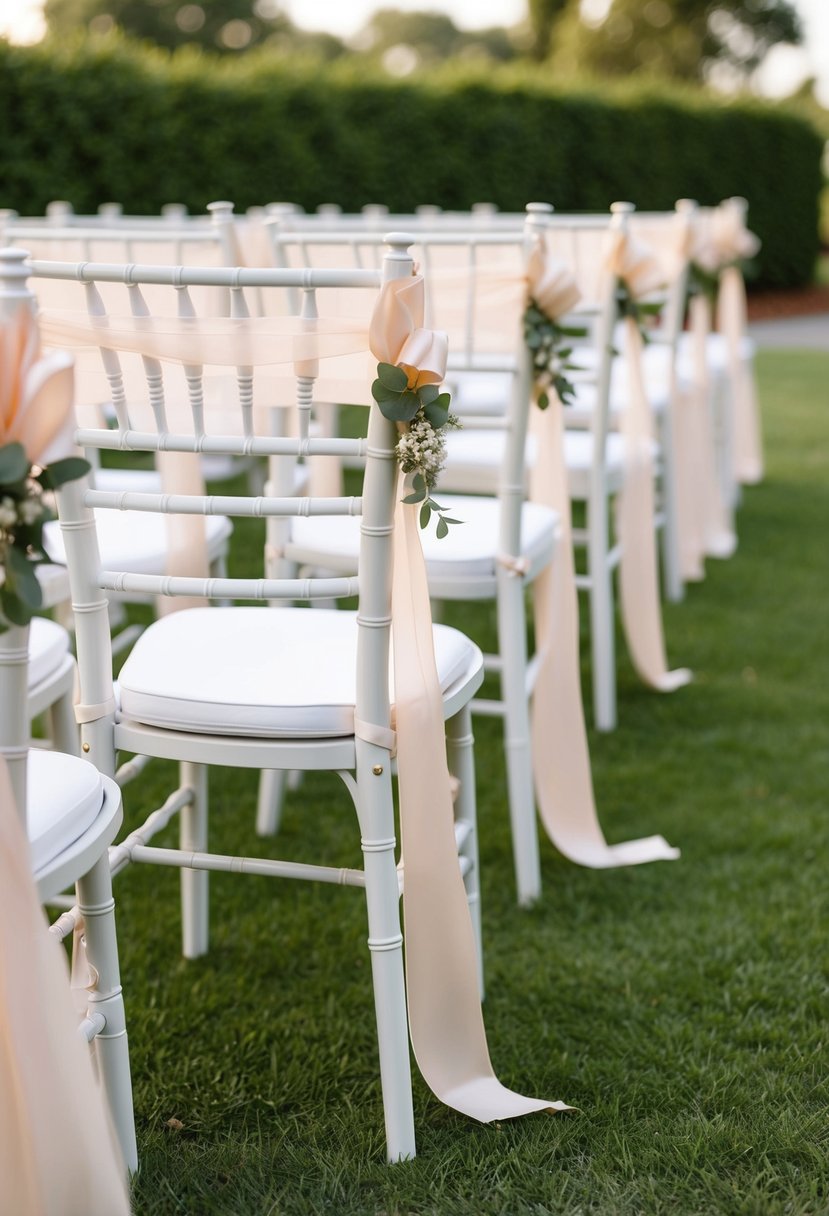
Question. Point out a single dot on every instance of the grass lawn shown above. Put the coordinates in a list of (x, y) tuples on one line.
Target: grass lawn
[(682, 1007)]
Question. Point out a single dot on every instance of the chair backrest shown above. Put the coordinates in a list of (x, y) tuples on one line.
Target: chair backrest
[(205, 240), (469, 265), (264, 367), (476, 294)]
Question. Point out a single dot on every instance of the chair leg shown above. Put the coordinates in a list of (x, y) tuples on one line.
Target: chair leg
[(272, 783), (97, 907), (194, 883), (63, 728), (385, 943), (512, 647), (461, 757), (602, 622)]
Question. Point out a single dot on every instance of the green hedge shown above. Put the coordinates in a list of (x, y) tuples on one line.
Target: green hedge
[(107, 121)]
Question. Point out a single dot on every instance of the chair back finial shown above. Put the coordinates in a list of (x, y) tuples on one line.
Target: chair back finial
[(14, 276)]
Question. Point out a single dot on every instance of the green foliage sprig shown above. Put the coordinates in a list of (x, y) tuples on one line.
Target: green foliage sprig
[(643, 312), (707, 282), (703, 282), (421, 412), (551, 346), (23, 514)]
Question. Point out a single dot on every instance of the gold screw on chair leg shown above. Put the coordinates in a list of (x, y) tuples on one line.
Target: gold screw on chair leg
[(85, 747), (377, 770)]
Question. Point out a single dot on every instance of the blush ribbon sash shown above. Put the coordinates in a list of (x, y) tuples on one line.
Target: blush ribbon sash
[(634, 265), (724, 241), (35, 392), (561, 757), (731, 322), (445, 1020), (58, 1151)]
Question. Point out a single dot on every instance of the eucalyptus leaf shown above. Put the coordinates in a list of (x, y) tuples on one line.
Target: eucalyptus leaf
[(425, 514), (392, 377), (25, 581), (382, 394), (14, 463), (437, 414), (428, 393), (62, 471), (13, 608), (402, 409), (442, 529), (416, 497)]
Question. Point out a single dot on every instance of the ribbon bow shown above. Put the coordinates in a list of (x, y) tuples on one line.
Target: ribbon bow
[(721, 237), (396, 334), (635, 265), (550, 282), (730, 236)]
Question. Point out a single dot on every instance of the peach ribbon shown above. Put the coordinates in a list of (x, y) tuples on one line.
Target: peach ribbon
[(208, 343), (635, 266), (747, 442), (719, 537), (561, 757), (58, 1152), (724, 241), (445, 1019), (35, 392)]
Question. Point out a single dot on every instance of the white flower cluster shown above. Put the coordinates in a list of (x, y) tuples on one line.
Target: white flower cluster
[(422, 449), (26, 511)]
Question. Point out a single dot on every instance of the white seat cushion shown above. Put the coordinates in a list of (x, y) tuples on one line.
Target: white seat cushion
[(578, 457), (474, 460), (48, 647), (135, 541), (716, 351), (470, 550), (63, 799), (268, 673), (480, 392)]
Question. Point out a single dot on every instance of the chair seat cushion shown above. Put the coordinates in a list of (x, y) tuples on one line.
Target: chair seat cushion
[(269, 673), (578, 457), (480, 392), (473, 460), (48, 647), (136, 541), (716, 350), (63, 799), (469, 551)]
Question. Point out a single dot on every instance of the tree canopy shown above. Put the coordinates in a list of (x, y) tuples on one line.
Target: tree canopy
[(225, 26), (694, 40), (682, 39)]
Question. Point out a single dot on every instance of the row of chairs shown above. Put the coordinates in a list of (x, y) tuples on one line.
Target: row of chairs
[(173, 702)]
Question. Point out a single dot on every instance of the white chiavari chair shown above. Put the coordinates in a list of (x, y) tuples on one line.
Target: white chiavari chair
[(504, 542), (282, 689)]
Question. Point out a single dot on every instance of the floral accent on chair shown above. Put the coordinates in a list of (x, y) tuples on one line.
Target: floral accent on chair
[(35, 428)]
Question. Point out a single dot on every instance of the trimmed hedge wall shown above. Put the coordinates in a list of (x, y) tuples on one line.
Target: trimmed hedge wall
[(105, 121)]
